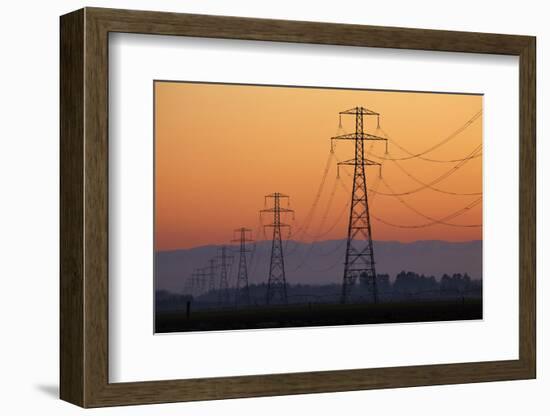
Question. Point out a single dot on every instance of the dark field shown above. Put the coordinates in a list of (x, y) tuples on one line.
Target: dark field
[(300, 315)]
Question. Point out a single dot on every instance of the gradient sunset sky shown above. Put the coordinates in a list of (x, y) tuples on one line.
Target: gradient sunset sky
[(220, 148)]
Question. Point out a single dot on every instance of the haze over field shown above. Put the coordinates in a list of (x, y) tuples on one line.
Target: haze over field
[(321, 262)]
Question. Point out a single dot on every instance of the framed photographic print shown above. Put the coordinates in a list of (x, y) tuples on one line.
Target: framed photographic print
[(233, 269), (356, 203)]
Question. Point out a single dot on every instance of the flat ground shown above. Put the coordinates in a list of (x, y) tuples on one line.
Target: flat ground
[(299, 315)]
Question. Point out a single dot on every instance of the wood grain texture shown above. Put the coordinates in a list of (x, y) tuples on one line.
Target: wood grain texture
[(71, 213), (527, 207), (84, 207)]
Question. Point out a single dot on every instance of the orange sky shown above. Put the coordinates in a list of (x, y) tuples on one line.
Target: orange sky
[(221, 148)]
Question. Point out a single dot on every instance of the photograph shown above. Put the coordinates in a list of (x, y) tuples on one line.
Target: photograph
[(291, 206), (279, 203)]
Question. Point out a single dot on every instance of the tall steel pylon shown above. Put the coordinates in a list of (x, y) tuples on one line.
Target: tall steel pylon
[(359, 261), (276, 283), (242, 293), (223, 295)]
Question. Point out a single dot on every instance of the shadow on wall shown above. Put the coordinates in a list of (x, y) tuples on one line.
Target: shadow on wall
[(51, 390)]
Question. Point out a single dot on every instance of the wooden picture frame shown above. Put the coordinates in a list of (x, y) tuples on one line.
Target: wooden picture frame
[(84, 207)]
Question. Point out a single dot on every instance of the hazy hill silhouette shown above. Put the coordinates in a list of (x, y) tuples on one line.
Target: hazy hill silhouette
[(322, 262)]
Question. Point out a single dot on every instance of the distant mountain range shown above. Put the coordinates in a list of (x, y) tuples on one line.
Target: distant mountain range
[(322, 262)]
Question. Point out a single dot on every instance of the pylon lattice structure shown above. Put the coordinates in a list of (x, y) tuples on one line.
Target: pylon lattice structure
[(189, 285), (242, 292), (211, 275), (197, 282), (276, 283), (223, 295), (194, 283), (359, 260), (202, 276)]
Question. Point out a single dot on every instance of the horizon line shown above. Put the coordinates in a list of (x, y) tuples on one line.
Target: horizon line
[(316, 242)]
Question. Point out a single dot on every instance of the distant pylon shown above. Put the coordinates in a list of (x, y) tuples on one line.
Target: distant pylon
[(193, 283), (211, 275), (223, 295), (359, 261), (196, 282), (189, 286), (242, 293), (202, 279), (276, 283)]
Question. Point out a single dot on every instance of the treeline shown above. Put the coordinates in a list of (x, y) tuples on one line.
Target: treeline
[(409, 282), (405, 286)]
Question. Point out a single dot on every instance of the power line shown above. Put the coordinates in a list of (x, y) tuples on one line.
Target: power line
[(327, 208), (412, 155), (371, 204), (429, 185), (433, 221), (309, 216), (433, 188), (472, 155), (441, 221), (334, 224)]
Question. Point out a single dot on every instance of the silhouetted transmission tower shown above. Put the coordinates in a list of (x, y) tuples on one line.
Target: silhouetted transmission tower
[(223, 296), (276, 283), (359, 262), (197, 282), (189, 285), (242, 293), (211, 275)]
